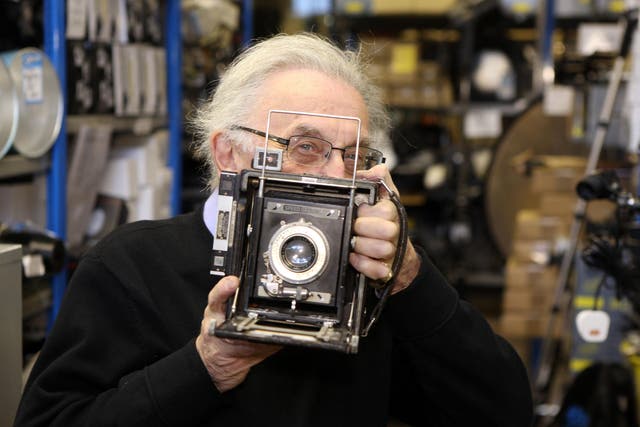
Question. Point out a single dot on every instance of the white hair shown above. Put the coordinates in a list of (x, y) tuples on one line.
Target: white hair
[(232, 103)]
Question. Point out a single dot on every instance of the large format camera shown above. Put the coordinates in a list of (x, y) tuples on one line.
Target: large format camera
[(287, 237)]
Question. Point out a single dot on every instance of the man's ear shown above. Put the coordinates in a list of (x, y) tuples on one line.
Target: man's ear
[(223, 152)]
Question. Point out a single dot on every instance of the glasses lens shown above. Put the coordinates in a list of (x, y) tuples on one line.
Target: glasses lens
[(367, 158), (307, 150)]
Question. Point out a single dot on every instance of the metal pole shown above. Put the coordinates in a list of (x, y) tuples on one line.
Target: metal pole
[(247, 22), (173, 46), (54, 46)]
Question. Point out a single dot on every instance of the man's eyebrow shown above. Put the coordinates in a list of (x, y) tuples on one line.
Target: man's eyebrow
[(364, 142), (308, 130)]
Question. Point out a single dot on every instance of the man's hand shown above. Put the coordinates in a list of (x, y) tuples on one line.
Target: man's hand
[(227, 361), (377, 229)]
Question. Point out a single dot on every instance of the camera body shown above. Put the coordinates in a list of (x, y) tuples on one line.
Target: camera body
[(287, 237)]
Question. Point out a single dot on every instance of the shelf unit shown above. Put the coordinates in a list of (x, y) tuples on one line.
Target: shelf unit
[(15, 165), (54, 46)]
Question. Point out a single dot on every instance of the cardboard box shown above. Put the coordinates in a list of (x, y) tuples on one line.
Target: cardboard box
[(531, 299), (120, 179), (146, 159), (404, 62), (600, 210), (161, 76), (429, 72), (433, 7), (149, 83), (528, 325), (383, 7), (528, 275), (531, 225), (406, 95), (558, 204), (533, 251), (562, 179), (525, 325), (428, 95)]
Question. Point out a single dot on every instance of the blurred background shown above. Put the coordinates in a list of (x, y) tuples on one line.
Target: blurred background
[(499, 112)]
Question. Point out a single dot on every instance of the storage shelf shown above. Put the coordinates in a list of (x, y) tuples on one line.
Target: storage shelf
[(508, 109), (452, 17), (135, 125), (15, 165)]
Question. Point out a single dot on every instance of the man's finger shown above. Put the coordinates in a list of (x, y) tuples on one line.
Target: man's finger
[(221, 292)]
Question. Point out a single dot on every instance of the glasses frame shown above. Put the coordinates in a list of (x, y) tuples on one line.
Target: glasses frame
[(286, 142)]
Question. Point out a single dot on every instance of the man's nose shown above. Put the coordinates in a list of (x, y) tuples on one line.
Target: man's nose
[(334, 167)]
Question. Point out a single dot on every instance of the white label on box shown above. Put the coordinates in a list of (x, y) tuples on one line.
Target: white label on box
[(33, 265), (32, 86), (119, 8), (486, 123), (77, 19), (558, 100)]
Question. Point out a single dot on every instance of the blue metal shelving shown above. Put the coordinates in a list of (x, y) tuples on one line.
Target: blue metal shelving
[(247, 21), (54, 46), (173, 44)]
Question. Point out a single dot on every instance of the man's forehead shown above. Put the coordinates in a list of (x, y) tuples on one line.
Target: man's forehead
[(310, 91)]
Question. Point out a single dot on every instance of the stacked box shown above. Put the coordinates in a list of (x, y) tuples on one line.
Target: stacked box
[(527, 298), (556, 184), (137, 173), (394, 7), (80, 97), (406, 78), (531, 278)]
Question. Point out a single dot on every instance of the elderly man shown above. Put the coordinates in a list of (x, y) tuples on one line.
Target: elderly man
[(132, 347)]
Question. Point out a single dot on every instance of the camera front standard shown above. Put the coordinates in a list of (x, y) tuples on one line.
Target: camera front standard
[(287, 238)]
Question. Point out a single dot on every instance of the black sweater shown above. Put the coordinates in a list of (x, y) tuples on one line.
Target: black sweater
[(122, 353)]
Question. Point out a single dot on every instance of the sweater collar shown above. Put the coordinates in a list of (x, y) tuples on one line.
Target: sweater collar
[(209, 212)]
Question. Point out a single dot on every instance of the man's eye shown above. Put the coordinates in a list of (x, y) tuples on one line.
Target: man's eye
[(309, 147), (306, 147)]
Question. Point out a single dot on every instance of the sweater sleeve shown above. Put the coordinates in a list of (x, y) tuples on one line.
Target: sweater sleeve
[(101, 364), (450, 368)]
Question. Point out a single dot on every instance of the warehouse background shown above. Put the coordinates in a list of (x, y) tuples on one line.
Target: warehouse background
[(495, 108)]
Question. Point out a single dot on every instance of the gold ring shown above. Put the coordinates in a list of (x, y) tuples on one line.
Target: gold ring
[(388, 277), (211, 330)]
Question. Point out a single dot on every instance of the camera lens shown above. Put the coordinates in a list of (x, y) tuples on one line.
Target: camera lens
[(298, 253)]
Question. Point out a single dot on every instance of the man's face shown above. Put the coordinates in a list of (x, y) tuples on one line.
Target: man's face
[(314, 92)]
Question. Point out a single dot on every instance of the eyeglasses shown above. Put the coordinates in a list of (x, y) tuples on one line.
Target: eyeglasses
[(311, 151)]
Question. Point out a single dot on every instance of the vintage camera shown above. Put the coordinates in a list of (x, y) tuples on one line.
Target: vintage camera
[(288, 238)]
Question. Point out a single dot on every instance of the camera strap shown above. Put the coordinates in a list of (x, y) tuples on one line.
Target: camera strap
[(383, 291)]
